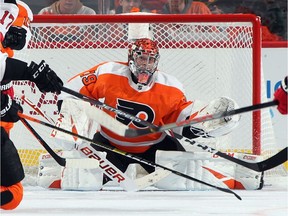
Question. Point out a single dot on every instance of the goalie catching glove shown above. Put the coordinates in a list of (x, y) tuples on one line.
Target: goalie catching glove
[(217, 127)]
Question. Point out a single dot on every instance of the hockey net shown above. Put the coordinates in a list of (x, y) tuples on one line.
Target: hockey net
[(211, 55)]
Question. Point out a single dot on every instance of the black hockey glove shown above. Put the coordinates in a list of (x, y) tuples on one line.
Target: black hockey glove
[(15, 38), (45, 78), (10, 1), (9, 109)]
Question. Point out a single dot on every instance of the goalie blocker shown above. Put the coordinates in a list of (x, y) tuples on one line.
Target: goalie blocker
[(202, 165)]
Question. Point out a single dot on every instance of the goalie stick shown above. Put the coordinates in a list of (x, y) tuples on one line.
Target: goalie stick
[(261, 166), (130, 132), (132, 156), (118, 176), (128, 185), (112, 124)]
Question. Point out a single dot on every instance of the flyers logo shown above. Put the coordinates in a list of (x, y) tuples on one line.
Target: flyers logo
[(141, 111)]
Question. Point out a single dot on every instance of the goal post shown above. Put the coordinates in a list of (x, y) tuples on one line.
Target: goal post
[(212, 55)]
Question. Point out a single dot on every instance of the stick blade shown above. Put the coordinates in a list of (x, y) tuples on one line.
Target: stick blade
[(276, 160)]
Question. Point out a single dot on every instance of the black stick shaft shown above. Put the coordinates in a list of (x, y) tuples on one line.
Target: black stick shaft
[(109, 108), (261, 166), (61, 161), (154, 129)]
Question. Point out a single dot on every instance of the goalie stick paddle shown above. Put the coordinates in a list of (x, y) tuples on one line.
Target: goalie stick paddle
[(130, 132), (64, 162), (126, 154)]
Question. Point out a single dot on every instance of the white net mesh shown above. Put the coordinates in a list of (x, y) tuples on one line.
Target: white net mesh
[(212, 56)]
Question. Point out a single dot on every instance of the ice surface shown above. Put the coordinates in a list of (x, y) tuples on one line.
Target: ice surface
[(270, 201)]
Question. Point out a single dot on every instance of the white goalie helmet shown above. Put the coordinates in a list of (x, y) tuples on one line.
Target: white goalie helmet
[(143, 58)]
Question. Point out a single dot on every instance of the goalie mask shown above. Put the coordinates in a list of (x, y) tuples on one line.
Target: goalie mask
[(143, 60)]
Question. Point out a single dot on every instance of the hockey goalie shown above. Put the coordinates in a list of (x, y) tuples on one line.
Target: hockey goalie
[(137, 87)]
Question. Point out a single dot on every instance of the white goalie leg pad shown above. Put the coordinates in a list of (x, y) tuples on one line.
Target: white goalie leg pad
[(135, 171), (248, 179), (222, 126), (177, 161), (189, 163), (106, 167), (80, 178), (205, 167), (49, 172)]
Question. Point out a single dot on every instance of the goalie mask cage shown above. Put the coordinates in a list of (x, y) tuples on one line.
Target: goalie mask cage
[(214, 55)]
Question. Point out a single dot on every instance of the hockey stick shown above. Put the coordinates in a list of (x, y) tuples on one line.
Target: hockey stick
[(65, 162), (116, 175), (112, 124), (109, 108), (136, 158), (188, 122), (128, 185), (261, 166), (130, 132)]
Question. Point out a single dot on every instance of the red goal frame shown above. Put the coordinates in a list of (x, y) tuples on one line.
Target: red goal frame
[(256, 49)]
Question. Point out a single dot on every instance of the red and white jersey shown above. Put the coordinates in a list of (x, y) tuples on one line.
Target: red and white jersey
[(21, 16), (8, 14), (161, 103)]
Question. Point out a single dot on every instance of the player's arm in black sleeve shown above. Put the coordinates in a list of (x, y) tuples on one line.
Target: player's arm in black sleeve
[(41, 74)]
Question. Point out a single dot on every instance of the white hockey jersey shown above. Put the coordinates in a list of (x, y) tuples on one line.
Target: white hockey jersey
[(8, 14)]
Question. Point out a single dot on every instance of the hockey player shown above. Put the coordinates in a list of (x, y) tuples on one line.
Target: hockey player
[(17, 38), (14, 37), (281, 95), (139, 88)]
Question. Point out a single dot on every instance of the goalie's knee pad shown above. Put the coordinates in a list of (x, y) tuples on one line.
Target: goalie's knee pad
[(205, 167)]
